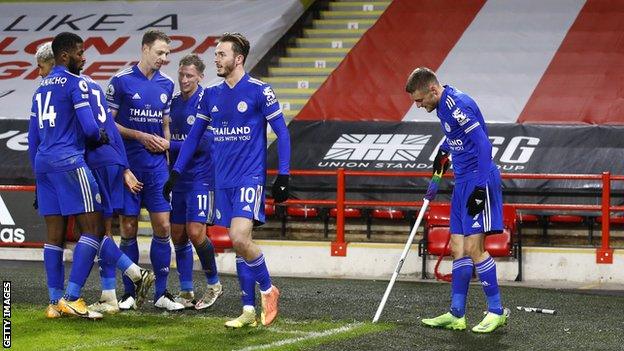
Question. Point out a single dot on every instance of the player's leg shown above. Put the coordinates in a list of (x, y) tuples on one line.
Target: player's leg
[(248, 209), (81, 198), (183, 249), (199, 209), (160, 249), (461, 271), (490, 220), (55, 242), (129, 227)]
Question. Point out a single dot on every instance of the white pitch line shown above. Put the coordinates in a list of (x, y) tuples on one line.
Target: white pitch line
[(308, 336)]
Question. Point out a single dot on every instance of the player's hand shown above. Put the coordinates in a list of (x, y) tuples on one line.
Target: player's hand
[(162, 142), (280, 188), (476, 201), (131, 182), (151, 142), (36, 202), (173, 177), (441, 162)]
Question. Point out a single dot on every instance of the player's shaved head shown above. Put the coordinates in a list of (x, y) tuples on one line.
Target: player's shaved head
[(152, 35), (65, 42), (240, 44), (420, 80)]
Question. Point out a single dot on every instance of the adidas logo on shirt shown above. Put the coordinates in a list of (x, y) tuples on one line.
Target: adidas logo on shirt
[(136, 96), (214, 109)]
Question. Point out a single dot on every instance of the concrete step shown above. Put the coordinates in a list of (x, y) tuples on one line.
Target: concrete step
[(316, 52), (327, 43), (302, 82), (350, 14), (286, 94), (316, 62), (299, 71), (333, 33), (359, 6), (344, 23), (292, 104)]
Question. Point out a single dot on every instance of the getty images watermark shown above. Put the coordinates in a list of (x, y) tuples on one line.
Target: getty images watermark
[(6, 314)]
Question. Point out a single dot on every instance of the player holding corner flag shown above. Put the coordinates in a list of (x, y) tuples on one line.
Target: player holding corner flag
[(476, 203), (237, 110)]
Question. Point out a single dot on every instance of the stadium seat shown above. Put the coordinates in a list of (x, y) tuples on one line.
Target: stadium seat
[(384, 214), (269, 210), (436, 237), (569, 220), (333, 212), (219, 237), (302, 211)]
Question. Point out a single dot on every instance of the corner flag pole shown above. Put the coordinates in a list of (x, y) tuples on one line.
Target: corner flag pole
[(431, 193)]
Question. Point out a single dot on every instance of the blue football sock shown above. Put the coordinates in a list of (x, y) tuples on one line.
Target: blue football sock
[(84, 254), (131, 249), (160, 255), (184, 262), (260, 272), (55, 271), (247, 282), (206, 254), (487, 274), (462, 272)]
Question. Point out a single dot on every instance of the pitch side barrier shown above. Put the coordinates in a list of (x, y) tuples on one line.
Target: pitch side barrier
[(604, 254)]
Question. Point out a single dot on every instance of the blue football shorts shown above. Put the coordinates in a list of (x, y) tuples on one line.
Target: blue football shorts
[(68, 193), (490, 220), (244, 201), (111, 183), (195, 204), (150, 197)]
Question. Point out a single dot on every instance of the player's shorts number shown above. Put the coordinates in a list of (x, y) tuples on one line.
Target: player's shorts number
[(45, 112), (247, 195), (202, 202)]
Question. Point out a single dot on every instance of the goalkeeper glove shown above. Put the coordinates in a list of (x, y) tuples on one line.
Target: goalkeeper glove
[(280, 188), (476, 201), (173, 177), (441, 162)]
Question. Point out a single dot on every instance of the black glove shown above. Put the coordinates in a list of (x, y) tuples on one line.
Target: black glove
[(103, 140), (280, 188), (36, 202), (441, 162), (173, 177), (476, 201)]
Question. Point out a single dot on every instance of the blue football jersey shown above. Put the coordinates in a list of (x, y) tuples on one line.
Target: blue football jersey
[(54, 105), (112, 153), (239, 118), (141, 104), (199, 169), (460, 115)]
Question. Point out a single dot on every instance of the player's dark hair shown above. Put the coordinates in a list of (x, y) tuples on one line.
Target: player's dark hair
[(152, 35), (193, 59), (240, 44), (420, 79), (65, 42)]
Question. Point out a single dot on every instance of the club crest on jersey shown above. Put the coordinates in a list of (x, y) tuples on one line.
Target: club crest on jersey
[(98, 198), (83, 86), (242, 106), (447, 127), (163, 98), (190, 119), (460, 117)]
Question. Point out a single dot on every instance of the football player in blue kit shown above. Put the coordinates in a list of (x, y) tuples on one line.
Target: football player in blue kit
[(108, 251), (140, 98), (238, 110), (61, 123), (477, 200), (192, 198)]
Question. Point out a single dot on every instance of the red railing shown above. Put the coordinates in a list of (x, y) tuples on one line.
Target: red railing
[(604, 254)]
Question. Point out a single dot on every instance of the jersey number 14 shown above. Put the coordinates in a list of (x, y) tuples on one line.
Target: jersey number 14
[(45, 112)]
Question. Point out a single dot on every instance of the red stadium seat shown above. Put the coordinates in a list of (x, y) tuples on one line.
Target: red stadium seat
[(302, 211), (269, 210), (219, 237), (437, 235), (383, 214)]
